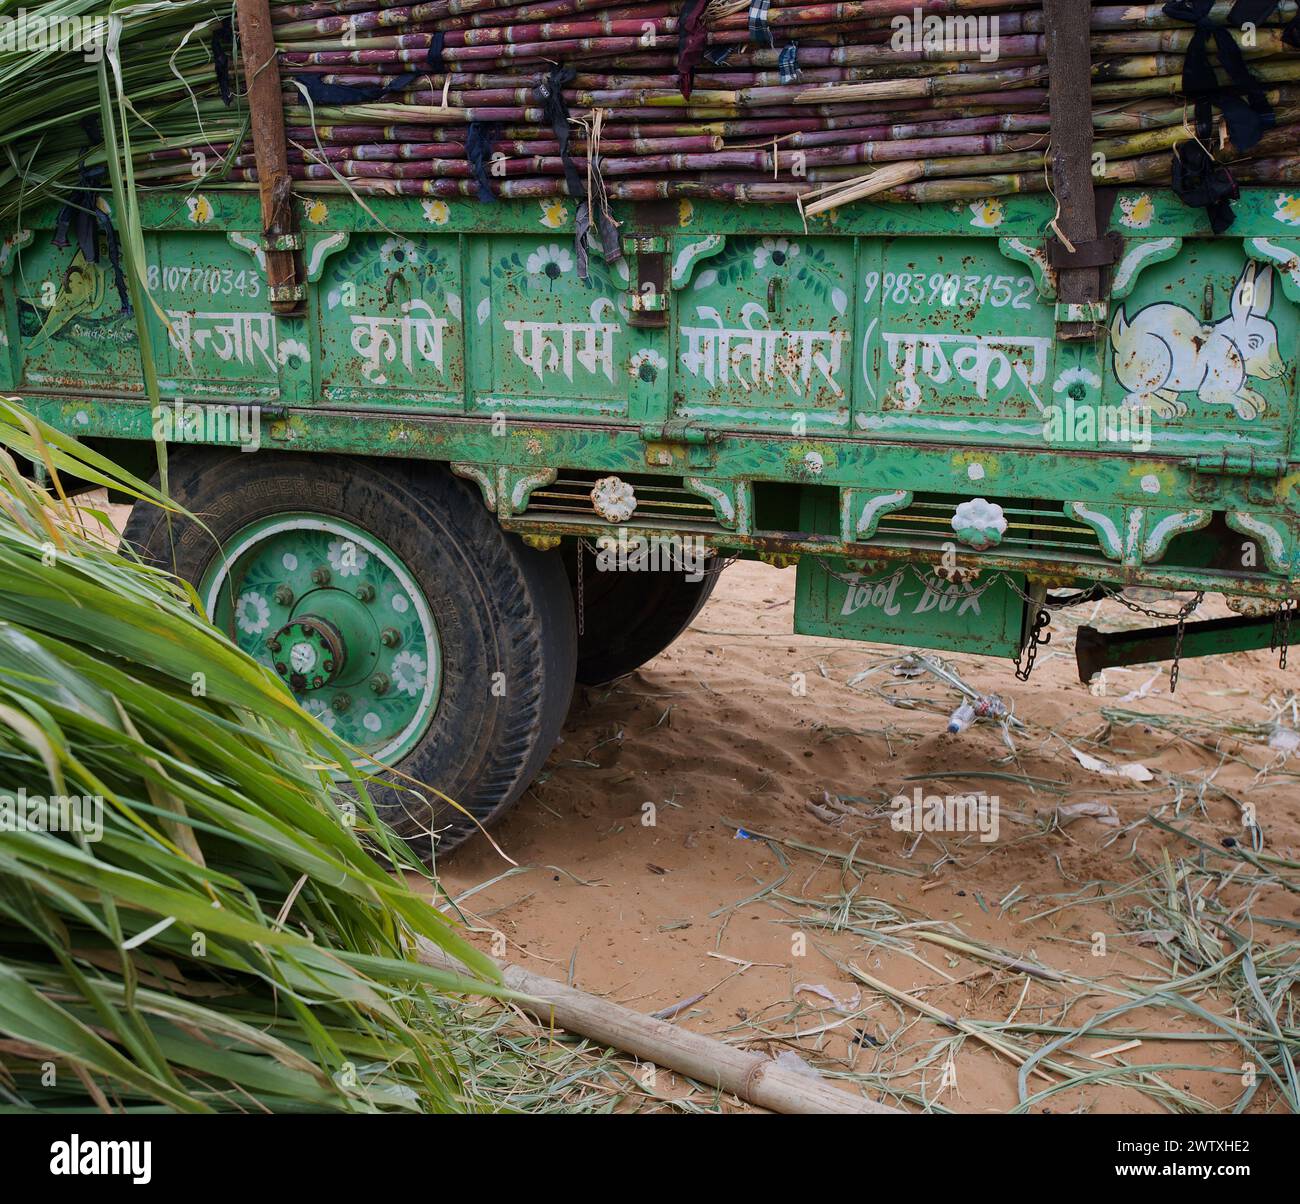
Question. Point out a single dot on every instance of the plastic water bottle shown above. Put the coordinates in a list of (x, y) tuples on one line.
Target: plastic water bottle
[(961, 719)]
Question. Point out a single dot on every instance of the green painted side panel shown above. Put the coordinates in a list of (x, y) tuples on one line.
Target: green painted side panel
[(896, 368)]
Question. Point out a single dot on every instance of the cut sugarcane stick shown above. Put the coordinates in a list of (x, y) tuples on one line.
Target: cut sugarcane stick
[(751, 1077)]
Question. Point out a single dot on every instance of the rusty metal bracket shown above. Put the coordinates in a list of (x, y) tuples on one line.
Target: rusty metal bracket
[(280, 236), (648, 280), (1069, 63), (1102, 252)]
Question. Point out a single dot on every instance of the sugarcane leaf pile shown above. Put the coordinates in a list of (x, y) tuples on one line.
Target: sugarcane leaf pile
[(750, 100), (193, 913)]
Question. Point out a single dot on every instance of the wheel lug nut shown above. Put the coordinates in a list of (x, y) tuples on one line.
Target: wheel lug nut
[(280, 667), (320, 576), (341, 702), (317, 682), (283, 595), (390, 637), (273, 645), (379, 683), (366, 593)]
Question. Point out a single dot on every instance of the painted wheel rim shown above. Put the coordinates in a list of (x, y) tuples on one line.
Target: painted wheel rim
[(340, 619)]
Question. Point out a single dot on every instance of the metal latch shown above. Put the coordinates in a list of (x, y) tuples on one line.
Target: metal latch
[(282, 242), (667, 442), (648, 283), (1238, 464)]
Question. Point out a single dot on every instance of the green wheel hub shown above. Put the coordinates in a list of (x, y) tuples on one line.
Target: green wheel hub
[(340, 619)]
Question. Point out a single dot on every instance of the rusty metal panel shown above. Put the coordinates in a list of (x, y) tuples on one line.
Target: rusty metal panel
[(956, 338), (764, 336), (389, 323), (546, 342)]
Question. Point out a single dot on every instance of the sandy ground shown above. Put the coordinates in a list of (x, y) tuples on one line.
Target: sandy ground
[(709, 834)]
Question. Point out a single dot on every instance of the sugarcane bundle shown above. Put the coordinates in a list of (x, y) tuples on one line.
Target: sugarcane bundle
[(752, 100)]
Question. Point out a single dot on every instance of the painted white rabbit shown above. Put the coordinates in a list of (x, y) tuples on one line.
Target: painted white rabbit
[(1167, 351)]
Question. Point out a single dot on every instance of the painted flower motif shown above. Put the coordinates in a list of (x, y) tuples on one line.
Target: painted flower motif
[(291, 351), (437, 213), (320, 710), (685, 213), (399, 253), (647, 364), (554, 214), (252, 613), (814, 462), (988, 214), (315, 210), (1077, 382), (484, 310), (4, 340), (776, 251), (1137, 212), (1287, 209), (551, 262), (200, 210), (409, 672), (345, 558), (980, 524)]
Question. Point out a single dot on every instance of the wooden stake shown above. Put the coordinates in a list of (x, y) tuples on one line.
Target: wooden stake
[(753, 1078), (279, 216), (1069, 60)]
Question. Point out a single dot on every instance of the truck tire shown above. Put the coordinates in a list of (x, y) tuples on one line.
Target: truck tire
[(630, 618), (397, 611)]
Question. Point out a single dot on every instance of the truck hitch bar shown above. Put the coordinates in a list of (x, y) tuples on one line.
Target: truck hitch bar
[(1097, 650)]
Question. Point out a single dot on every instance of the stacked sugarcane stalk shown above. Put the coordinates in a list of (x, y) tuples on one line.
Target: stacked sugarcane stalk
[(822, 103)]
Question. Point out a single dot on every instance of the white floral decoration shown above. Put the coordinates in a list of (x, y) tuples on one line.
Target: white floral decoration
[(321, 710), (252, 613), (776, 251), (614, 499), (346, 558), (409, 672), (980, 523), (648, 358), (398, 252), (552, 261), (291, 347), (1076, 376)]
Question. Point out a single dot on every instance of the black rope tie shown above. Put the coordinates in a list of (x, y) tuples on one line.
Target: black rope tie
[(1197, 179), (479, 142), (222, 41), (322, 93), (556, 112)]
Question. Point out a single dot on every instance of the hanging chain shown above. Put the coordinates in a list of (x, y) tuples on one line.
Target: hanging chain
[(1281, 642), (1036, 640), (582, 602)]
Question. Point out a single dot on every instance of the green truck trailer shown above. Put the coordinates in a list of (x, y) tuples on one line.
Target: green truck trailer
[(438, 476)]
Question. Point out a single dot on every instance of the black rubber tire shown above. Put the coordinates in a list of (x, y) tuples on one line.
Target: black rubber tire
[(500, 608), (630, 618)]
